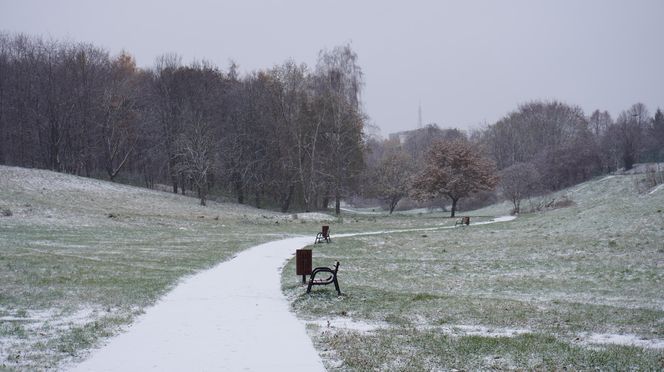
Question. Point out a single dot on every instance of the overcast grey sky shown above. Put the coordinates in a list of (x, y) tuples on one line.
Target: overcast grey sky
[(467, 62)]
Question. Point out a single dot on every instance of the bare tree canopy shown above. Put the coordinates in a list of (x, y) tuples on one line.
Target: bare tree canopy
[(390, 180), (285, 137), (519, 181)]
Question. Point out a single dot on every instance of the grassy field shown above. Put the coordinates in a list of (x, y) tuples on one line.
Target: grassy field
[(572, 287), (80, 258), (580, 287)]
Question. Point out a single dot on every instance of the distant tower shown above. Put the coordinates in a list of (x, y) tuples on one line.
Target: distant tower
[(419, 116)]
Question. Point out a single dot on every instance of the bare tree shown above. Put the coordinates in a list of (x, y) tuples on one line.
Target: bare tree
[(121, 116), (340, 83), (535, 127), (454, 169), (286, 134), (299, 133), (627, 134), (195, 154), (166, 107), (653, 144), (599, 122), (391, 179), (519, 181)]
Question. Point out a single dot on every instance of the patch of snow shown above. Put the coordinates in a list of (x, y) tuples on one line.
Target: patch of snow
[(626, 340), (476, 330), (497, 219), (80, 317), (420, 211), (357, 211), (315, 216), (348, 324), (504, 218)]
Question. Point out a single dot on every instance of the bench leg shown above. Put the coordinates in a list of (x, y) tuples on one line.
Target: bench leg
[(336, 285), (309, 286)]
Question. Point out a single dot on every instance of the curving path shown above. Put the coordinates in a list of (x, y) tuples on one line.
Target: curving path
[(232, 317)]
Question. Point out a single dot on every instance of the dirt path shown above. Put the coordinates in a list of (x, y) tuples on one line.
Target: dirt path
[(232, 317)]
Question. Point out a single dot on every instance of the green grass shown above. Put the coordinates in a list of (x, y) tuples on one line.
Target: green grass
[(81, 258), (552, 278), (72, 275), (404, 349)]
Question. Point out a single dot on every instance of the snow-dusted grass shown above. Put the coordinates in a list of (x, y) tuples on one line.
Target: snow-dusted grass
[(577, 287), (81, 258)]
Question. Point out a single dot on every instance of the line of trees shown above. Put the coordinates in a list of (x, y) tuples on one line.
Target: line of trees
[(542, 146), (286, 136)]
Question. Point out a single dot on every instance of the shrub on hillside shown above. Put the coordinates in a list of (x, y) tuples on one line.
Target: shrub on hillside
[(5, 212), (549, 203), (651, 179)]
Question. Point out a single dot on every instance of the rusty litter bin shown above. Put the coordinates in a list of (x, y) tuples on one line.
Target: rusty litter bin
[(303, 263)]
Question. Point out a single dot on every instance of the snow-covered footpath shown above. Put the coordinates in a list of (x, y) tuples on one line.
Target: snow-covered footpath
[(230, 318)]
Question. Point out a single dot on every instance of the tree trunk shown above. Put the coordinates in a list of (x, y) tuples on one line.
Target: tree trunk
[(239, 192), (285, 205), (393, 204), (517, 205), (629, 161), (454, 204), (257, 196), (337, 205), (202, 195)]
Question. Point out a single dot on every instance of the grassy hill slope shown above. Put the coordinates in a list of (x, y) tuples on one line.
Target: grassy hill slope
[(79, 257), (579, 287)]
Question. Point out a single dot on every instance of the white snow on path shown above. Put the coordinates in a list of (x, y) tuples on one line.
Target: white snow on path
[(656, 189), (233, 317), (497, 219)]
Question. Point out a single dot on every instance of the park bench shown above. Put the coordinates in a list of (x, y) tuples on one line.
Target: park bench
[(325, 281), (463, 221), (323, 235)]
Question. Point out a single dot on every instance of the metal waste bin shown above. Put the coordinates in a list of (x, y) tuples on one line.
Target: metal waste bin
[(303, 263)]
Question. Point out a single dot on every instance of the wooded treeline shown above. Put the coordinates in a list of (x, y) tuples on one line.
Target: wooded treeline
[(286, 136), (542, 146)]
